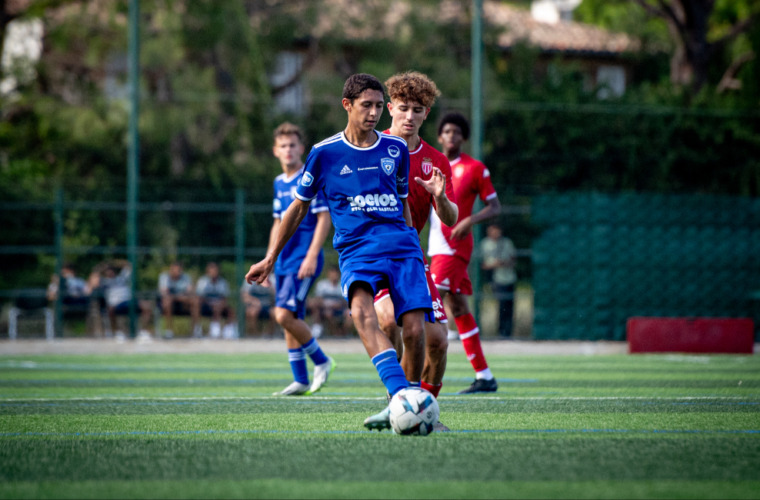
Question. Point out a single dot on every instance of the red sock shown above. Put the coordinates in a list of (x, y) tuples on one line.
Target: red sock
[(432, 389), (470, 336)]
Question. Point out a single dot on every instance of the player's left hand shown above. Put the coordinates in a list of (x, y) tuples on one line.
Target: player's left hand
[(308, 268), (436, 185), (462, 229)]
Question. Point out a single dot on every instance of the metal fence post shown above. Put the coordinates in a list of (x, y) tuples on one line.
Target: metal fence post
[(477, 134), (240, 255), (133, 153), (58, 219)]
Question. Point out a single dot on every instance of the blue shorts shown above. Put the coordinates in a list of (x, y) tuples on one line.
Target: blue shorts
[(121, 308), (404, 279), (291, 292), (207, 307)]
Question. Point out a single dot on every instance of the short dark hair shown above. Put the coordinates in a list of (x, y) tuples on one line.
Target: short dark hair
[(457, 119), (358, 83)]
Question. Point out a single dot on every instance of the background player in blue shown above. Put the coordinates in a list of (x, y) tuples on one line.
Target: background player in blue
[(364, 176), (298, 265)]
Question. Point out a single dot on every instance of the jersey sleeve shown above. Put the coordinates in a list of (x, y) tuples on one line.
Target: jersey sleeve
[(486, 190), (311, 180), (276, 203)]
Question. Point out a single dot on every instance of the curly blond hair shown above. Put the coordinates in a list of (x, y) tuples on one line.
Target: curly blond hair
[(412, 86)]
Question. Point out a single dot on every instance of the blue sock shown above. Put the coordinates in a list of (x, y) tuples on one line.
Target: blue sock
[(297, 360), (390, 371), (315, 352)]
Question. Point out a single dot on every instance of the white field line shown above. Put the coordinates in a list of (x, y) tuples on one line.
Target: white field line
[(372, 398)]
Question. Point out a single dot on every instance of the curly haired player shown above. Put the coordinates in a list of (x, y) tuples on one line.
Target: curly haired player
[(412, 94)]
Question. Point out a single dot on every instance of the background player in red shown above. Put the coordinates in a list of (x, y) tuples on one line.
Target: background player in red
[(412, 94), (451, 247)]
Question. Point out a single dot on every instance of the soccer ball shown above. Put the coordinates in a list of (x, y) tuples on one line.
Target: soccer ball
[(414, 411)]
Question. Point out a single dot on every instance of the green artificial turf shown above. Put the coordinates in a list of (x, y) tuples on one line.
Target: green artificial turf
[(206, 426)]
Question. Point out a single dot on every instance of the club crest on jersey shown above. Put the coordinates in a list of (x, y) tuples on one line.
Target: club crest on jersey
[(307, 179), (427, 166), (394, 151), (388, 164)]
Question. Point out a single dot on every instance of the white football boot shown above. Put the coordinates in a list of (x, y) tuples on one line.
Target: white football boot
[(294, 389), (379, 421), (321, 372)]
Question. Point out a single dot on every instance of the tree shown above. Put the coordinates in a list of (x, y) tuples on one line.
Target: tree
[(698, 40)]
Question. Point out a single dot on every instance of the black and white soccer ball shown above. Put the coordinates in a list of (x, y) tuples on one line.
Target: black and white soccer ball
[(414, 412)]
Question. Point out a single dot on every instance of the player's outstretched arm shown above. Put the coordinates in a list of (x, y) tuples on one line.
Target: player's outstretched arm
[(292, 217), (445, 209)]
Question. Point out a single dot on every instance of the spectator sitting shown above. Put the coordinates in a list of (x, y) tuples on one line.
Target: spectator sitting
[(114, 281), (211, 300), (175, 290), (76, 291), (329, 306), (258, 301)]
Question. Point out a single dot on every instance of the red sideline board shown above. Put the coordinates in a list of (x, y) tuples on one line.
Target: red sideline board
[(699, 335)]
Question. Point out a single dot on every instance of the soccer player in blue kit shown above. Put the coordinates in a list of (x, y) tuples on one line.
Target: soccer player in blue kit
[(364, 176), (298, 265)]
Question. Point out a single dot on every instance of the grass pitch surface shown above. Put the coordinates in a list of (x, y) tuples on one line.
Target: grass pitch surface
[(206, 426)]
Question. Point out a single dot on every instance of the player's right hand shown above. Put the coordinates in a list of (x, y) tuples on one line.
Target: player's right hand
[(259, 273)]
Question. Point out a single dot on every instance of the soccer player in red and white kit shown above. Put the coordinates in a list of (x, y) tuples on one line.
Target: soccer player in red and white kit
[(451, 247), (412, 94)]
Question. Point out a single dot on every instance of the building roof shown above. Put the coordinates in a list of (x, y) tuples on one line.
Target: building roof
[(376, 18), (564, 36)]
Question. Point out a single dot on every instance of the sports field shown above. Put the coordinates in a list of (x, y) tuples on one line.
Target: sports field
[(205, 426)]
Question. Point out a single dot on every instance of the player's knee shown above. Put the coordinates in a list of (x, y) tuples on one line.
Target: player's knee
[(459, 308), (387, 324), (413, 333), (437, 343), (283, 317)]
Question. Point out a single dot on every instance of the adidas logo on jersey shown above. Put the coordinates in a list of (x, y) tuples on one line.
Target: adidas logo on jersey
[(345, 170)]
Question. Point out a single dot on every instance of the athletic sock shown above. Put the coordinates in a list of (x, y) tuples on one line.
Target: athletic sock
[(470, 335), (315, 352), (390, 371), (297, 360), (435, 390)]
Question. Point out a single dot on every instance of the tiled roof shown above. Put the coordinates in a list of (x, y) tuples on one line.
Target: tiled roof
[(520, 26), (367, 19)]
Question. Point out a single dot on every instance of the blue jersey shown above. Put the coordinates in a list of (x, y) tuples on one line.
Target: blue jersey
[(296, 248), (364, 189)]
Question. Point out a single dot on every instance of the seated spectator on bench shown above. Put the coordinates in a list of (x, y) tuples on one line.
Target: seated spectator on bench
[(175, 290), (258, 301), (76, 291), (329, 307), (211, 300), (114, 281)]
